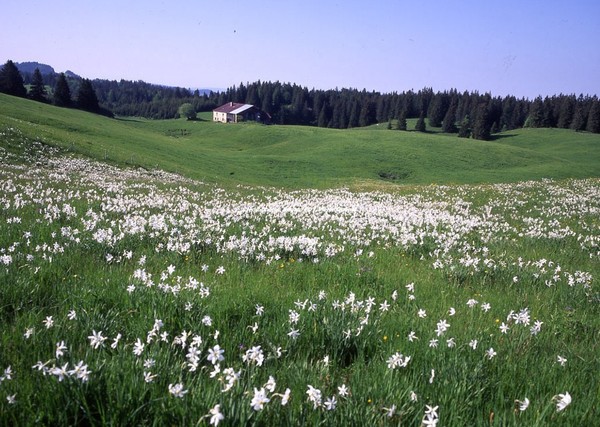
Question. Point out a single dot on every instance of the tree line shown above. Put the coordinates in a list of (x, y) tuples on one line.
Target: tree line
[(468, 114)]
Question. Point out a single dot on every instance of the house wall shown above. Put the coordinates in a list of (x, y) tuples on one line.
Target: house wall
[(219, 117)]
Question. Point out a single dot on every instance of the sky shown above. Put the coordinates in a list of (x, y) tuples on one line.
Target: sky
[(524, 48)]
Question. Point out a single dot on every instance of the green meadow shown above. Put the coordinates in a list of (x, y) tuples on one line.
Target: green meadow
[(308, 157), (356, 277)]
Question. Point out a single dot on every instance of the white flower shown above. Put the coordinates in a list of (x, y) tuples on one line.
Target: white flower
[(220, 270), (442, 326), (215, 355), (433, 343), (389, 412), (432, 376), (115, 342), (472, 303), (80, 371), (330, 403), (11, 399), (72, 315), (215, 415), (270, 384), (562, 401), (259, 399), (177, 390), (314, 395), (523, 404), (148, 377), (561, 360), (451, 311), (422, 313), (138, 347), (48, 322), (294, 333), (60, 349), (490, 353), (285, 397), (260, 310), (486, 307), (450, 342), (413, 396), (473, 344), (504, 328), (343, 390), (28, 333), (96, 339), (384, 306), (412, 336)]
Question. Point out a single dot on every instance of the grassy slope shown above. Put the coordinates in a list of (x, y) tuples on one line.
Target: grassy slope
[(295, 156)]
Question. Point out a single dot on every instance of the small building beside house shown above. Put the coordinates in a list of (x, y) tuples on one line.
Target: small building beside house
[(234, 112)]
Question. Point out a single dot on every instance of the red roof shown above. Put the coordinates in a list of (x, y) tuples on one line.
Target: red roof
[(229, 107)]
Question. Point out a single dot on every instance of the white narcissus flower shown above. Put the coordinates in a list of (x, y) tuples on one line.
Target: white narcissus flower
[(562, 401), (523, 404), (177, 390)]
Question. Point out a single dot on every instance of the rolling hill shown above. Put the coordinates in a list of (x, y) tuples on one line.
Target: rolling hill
[(300, 157)]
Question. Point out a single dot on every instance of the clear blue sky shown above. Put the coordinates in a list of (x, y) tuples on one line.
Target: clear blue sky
[(520, 47)]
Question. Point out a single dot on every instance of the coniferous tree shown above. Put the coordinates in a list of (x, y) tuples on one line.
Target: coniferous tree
[(62, 92), (86, 97), (402, 120), (436, 111), (449, 122), (481, 126), (420, 125), (11, 81), (465, 127), (565, 114), (579, 118), (593, 121), (536, 114), (38, 89)]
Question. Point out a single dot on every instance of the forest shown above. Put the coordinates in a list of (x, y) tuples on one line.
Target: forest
[(469, 114)]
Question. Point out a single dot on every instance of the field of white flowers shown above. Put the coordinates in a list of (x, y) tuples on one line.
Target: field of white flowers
[(138, 297)]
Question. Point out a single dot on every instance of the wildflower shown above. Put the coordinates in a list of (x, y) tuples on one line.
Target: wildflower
[(422, 313), (215, 354), (413, 396), (486, 307), (451, 311), (48, 322), (215, 415), (61, 372), (410, 287), (430, 418), (433, 343), (322, 295), (561, 360), (148, 377), (138, 347), (473, 344), (394, 295), (259, 310), (285, 397), (389, 412), (384, 306), (504, 328), (330, 403), (294, 333), (472, 303), (343, 390), (259, 399), (523, 404), (432, 376), (412, 336), (270, 384), (536, 328), (207, 321), (130, 289), (72, 315), (255, 355), (7, 374), (149, 363), (314, 395), (28, 333), (562, 401), (450, 342), (490, 353), (96, 339), (115, 341), (60, 349), (220, 270), (442, 326), (80, 371), (11, 399), (204, 268), (177, 390)]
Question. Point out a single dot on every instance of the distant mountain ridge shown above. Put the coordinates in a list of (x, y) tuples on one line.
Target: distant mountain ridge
[(29, 67)]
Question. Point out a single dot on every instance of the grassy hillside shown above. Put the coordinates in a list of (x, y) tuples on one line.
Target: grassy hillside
[(294, 156)]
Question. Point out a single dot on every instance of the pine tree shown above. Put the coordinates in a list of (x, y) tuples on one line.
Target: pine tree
[(593, 121), (465, 127), (420, 126), (86, 97), (11, 81), (62, 92), (481, 126), (401, 120), (536, 114), (436, 111), (38, 89), (579, 119), (448, 124)]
